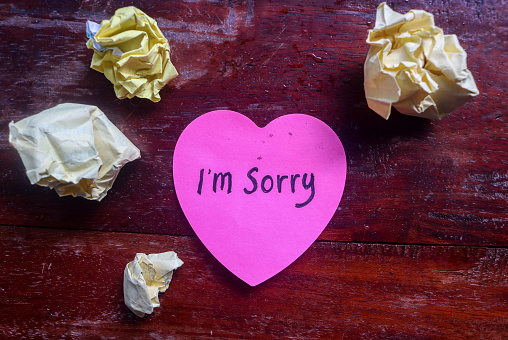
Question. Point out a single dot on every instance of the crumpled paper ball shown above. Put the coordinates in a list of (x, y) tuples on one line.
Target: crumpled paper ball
[(145, 277), (414, 67), (132, 53), (72, 148)]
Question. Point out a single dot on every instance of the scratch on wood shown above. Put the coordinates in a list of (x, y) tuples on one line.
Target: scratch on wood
[(273, 53)]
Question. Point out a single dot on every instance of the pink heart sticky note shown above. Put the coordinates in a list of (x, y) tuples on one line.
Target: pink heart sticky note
[(258, 197)]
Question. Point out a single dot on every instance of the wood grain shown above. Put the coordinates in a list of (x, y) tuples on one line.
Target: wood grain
[(63, 283), (417, 249), (409, 180)]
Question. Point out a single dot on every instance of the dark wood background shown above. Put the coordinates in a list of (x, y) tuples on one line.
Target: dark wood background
[(417, 249)]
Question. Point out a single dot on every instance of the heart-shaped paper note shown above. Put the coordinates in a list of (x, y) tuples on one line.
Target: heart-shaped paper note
[(258, 197)]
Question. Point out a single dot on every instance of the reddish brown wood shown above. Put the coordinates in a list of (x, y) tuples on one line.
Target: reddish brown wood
[(409, 180), (69, 283), (436, 190)]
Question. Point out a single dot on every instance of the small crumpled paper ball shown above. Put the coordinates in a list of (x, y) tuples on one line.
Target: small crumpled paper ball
[(132, 53), (414, 67), (145, 277), (72, 148)]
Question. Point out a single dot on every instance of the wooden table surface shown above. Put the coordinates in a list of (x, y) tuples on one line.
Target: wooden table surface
[(417, 249)]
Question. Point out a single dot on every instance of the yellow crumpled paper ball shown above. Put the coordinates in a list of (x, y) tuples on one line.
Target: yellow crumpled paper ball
[(414, 67), (145, 277), (132, 53), (72, 148)]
